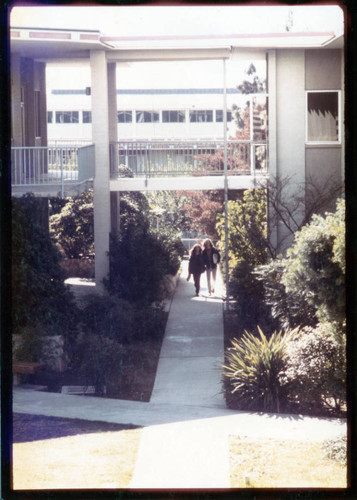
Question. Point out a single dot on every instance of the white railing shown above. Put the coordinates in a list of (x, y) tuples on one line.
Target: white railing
[(46, 166), (176, 158)]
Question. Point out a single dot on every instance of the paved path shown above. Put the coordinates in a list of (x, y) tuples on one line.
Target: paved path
[(184, 442)]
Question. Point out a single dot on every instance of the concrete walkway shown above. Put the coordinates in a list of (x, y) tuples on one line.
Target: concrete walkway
[(184, 443)]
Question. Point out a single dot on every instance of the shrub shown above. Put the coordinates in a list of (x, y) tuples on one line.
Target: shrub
[(41, 302), (316, 370), (247, 222), (109, 316), (289, 308), (98, 360), (72, 228), (248, 293), (316, 262), (255, 368), (119, 320)]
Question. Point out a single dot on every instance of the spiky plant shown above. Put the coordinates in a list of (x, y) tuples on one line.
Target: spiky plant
[(255, 367)]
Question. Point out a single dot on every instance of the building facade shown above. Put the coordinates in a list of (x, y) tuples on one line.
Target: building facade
[(304, 109)]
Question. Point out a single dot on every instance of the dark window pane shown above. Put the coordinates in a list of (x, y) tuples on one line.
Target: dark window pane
[(87, 117), (322, 110)]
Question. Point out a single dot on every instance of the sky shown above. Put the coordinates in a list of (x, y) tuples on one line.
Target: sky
[(158, 20)]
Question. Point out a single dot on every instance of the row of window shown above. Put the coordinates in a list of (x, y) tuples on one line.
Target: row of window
[(172, 116)]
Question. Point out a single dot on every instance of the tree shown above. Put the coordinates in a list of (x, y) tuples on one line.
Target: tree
[(316, 261), (41, 301), (254, 85), (202, 207), (247, 228), (168, 209), (72, 227)]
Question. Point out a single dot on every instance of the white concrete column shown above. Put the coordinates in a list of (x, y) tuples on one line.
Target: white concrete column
[(100, 131), (15, 100), (113, 137)]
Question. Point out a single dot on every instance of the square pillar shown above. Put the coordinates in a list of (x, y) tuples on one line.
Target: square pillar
[(113, 137), (101, 138)]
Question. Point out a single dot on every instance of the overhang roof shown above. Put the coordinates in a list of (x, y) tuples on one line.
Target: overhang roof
[(52, 44)]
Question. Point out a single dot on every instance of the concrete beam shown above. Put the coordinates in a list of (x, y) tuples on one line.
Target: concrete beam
[(188, 183)]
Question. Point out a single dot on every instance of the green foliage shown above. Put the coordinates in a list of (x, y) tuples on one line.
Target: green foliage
[(97, 358), (316, 369), (72, 227), (255, 84), (40, 299), (140, 257), (121, 320), (316, 261), (255, 367), (168, 209), (248, 292), (247, 224), (289, 308)]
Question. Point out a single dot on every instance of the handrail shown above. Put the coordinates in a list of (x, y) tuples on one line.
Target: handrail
[(50, 165), (155, 158)]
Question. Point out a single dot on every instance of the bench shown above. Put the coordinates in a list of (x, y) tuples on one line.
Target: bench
[(25, 367)]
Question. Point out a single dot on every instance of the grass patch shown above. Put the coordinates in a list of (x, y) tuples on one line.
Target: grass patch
[(84, 455), (273, 463)]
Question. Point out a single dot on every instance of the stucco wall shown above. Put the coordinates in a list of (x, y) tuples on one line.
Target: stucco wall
[(290, 124), (324, 162), (323, 69)]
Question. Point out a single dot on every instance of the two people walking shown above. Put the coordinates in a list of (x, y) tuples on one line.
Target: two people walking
[(205, 258)]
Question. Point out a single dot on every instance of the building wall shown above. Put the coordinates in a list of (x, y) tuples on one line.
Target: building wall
[(28, 75), (290, 126), (324, 161)]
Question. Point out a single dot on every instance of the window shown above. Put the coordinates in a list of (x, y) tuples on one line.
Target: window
[(87, 116), (147, 117), (260, 118), (125, 116), (67, 117), (49, 116), (322, 116), (37, 114), (173, 117), (201, 116), (219, 115)]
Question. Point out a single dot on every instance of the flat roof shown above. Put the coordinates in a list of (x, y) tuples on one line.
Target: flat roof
[(52, 44)]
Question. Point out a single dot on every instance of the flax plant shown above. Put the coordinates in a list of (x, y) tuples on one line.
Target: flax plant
[(255, 367)]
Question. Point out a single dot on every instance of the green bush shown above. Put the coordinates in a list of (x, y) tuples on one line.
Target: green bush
[(122, 321), (289, 308), (255, 368), (247, 223), (316, 262), (72, 227), (98, 360), (250, 305), (316, 370), (41, 302)]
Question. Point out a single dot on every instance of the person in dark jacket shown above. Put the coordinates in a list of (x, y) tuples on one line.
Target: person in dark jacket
[(196, 266), (211, 257)]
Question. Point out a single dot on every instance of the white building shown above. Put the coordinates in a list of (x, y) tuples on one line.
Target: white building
[(305, 82)]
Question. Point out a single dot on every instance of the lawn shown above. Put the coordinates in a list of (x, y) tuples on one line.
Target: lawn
[(273, 463), (57, 453)]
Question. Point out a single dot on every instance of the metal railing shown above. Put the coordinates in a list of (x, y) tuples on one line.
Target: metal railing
[(34, 166), (188, 158)]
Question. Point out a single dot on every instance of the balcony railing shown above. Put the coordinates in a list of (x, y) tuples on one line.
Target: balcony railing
[(46, 166), (188, 158)]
